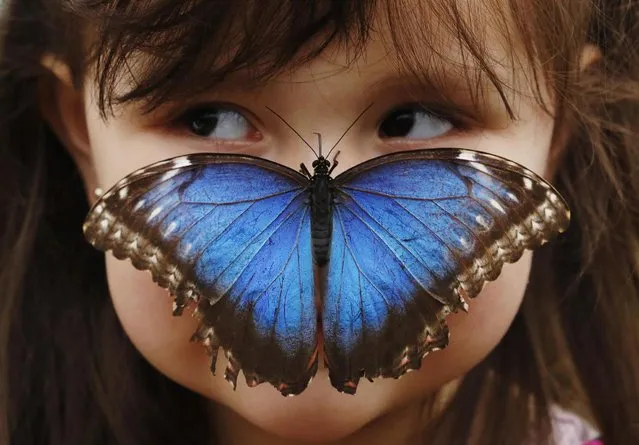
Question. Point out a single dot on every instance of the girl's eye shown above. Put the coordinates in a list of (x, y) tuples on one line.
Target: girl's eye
[(414, 123), (220, 123)]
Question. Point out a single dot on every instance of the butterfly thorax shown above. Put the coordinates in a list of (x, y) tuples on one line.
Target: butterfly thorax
[(321, 210)]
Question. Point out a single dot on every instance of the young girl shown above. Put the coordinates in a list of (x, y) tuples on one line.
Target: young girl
[(90, 91)]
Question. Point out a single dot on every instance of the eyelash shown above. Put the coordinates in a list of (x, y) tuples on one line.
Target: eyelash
[(185, 119), (458, 119)]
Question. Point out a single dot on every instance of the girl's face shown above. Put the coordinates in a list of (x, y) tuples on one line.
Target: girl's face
[(322, 96)]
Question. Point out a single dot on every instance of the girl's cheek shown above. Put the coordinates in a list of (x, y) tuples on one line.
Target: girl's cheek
[(144, 310), (476, 333)]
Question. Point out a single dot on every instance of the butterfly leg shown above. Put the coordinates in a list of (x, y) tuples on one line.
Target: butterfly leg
[(335, 163), (305, 172)]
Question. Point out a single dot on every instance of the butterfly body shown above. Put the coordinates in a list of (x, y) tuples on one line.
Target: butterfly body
[(404, 239), (321, 202)]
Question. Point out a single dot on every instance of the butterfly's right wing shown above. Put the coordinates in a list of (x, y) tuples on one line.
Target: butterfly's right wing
[(231, 233), (415, 235)]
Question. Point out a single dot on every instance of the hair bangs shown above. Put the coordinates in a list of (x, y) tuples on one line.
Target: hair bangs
[(167, 50), (164, 50)]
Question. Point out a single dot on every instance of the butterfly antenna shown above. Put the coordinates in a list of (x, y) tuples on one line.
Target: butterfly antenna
[(293, 129), (347, 130)]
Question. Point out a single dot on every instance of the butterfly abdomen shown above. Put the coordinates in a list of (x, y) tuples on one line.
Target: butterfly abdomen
[(321, 218)]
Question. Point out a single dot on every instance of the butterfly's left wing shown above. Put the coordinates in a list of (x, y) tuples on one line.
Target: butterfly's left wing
[(231, 233), (415, 234)]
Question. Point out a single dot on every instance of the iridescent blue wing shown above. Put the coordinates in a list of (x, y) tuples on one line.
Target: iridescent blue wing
[(232, 234), (415, 234)]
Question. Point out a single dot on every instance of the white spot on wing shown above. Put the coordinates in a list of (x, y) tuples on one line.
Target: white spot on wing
[(182, 162), (168, 175), (497, 205), (481, 220), (536, 225), (124, 192), (552, 197), (528, 184), (466, 156), (133, 245), (171, 228), (480, 167), (139, 204), (156, 211)]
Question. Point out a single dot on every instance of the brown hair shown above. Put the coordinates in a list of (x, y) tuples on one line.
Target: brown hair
[(68, 373)]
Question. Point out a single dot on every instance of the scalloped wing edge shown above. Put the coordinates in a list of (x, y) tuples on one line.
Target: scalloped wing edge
[(104, 232)]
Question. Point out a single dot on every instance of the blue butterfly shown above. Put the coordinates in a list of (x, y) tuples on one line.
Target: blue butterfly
[(400, 241)]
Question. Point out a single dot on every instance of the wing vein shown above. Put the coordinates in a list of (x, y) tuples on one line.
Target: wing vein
[(230, 224), (413, 254), (256, 252), (242, 201), (388, 195), (288, 259), (350, 250)]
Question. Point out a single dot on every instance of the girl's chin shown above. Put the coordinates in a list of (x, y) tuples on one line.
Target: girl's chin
[(319, 414)]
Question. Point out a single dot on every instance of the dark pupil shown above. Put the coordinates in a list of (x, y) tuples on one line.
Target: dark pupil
[(398, 124), (204, 124)]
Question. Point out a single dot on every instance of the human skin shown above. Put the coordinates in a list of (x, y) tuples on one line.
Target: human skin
[(322, 96)]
